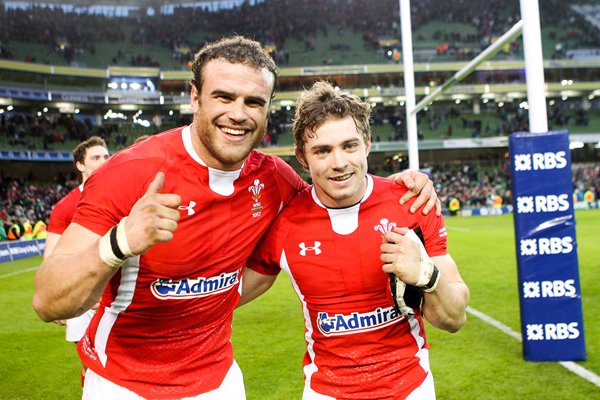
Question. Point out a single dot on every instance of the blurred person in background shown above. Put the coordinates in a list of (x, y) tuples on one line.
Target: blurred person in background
[(88, 156)]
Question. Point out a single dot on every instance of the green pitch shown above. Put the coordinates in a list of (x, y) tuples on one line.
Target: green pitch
[(478, 362)]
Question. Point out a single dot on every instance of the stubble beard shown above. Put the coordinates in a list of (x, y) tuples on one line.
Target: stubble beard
[(226, 154)]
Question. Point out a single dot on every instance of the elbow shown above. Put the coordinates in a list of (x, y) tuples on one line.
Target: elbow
[(41, 310), (456, 324), (449, 323)]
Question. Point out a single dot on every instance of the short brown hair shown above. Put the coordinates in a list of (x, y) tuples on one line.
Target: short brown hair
[(321, 103), (236, 50), (79, 151)]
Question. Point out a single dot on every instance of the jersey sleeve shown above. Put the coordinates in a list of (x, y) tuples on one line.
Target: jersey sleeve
[(111, 191), (289, 182), (434, 233), (267, 254), (62, 213)]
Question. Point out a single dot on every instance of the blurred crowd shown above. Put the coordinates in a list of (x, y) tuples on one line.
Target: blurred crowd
[(275, 22), (51, 130), (445, 120), (26, 203), (19, 129)]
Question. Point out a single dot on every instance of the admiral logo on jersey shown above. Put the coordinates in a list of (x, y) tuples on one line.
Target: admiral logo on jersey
[(344, 324), (192, 288)]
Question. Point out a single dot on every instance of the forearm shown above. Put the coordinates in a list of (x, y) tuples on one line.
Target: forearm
[(445, 307), (51, 240), (72, 279), (66, 285), (254, 284)]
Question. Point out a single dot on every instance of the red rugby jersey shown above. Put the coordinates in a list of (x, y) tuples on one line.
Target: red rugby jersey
[(357, 345), (63, 211), (164, 325)]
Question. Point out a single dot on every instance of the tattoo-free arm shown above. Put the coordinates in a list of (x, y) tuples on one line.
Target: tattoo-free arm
[(254, 284), (72, 278), (445, 307)]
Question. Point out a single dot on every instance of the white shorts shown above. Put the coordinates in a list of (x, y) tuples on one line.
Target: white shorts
[(77, 326), (99, 388), (424, 392)]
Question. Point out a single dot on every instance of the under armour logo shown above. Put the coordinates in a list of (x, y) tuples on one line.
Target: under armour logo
[(189, 208), (304, 248)]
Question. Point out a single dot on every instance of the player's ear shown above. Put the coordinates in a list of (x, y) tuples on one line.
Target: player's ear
[(301, 158), (368, 144), (80, 167), (194, 99)]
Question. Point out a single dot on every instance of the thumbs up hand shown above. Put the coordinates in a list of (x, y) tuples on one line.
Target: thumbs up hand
[(153, 218)]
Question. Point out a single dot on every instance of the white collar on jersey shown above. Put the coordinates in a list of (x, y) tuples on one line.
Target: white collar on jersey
[(344, 221), (220, 182)]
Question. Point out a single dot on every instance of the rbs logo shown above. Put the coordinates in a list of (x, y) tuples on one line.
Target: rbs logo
[(540, 161), (560, 331), (546, 246), (549, 203), (535, 290)]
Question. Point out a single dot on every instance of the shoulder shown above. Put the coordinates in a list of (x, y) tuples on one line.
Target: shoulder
[(164, 146), (69, 201), (276, 168), (138, 164), (259, 160), (300, 206), (387, 187)]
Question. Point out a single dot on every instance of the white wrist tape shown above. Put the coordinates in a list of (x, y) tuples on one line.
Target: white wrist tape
[(430, 274), (106, 253), (122, 239), (426, 272), (113, 247)]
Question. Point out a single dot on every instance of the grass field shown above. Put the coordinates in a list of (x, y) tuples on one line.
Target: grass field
[(478, 362)]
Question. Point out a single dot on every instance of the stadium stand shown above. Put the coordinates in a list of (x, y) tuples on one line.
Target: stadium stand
[(335, 40), (298, 33)]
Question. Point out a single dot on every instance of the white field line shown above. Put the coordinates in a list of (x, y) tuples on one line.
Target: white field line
[(456, 228), (569, 365), (18, 272)]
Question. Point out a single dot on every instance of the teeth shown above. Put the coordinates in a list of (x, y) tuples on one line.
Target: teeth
[(231, 131), (341, 178)]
